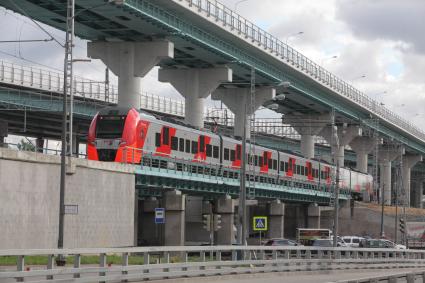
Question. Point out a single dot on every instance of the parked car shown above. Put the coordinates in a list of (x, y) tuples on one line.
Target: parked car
[(352, 241), (327, 243), (376, 243), (394, 245), (281, 242)]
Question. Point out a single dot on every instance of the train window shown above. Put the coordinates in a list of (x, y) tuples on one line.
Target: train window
[(321, 175), (255, 160), (226, 154), (181, 145), (270, 163), (232, 155), (260, 161), (157, 139), (174, 143), (297, 170), (209, 150), (301, 170), (216, 152), (194, 147), (317, 173), (274, 164), (282, 166), (166, 136), (286, 166), (201, 143), (306, 171), (187, 146)]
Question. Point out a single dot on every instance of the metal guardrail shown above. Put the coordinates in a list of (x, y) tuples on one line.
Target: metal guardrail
[(41, 79), (193, 261), (245, 29)]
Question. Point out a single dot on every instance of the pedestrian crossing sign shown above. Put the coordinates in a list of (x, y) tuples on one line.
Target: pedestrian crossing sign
[(259, 223)]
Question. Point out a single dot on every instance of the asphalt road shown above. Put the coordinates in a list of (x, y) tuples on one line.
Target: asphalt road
[(292, 277)]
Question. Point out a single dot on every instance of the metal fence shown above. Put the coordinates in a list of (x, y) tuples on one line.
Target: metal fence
[(41, 79), (253, 34), (114, 264)]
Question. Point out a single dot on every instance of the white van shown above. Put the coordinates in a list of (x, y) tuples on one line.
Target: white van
[(352, 241)]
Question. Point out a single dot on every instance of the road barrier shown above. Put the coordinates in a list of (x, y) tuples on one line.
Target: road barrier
[(409, 277), (193, 261)]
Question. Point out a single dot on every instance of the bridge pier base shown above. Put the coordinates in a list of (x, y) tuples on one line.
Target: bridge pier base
[(237, 99), (385, 157), (174, 229), (308, 126), (195, 85), (276, 219), (3, 132), (39, 144), (149, 233), (313, 216), (225, 206), (408, 162), (130, 61)]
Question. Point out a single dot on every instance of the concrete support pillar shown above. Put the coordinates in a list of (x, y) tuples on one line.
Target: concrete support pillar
[(130, 61), (313, 216), (225, 206), (409, 160), (362, 146), (75, 144), (3, 132), (385, 156), (39, 144), (238, 101), (345, 136), (308, 126), (276, 219), (174, 231), (149, 232), (195, 85)]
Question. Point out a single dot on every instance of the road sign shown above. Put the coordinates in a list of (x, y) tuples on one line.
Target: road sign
[(159, 215), (259, 223)]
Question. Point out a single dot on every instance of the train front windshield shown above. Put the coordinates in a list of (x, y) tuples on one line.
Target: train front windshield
[(110, 127)]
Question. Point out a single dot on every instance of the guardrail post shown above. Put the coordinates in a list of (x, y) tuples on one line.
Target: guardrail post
[(50, 264), (102, 263), (77, 264), (125, 265), (146, 258), (20, 265), (410, 278)]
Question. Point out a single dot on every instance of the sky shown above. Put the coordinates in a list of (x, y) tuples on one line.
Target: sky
[(379, 45)]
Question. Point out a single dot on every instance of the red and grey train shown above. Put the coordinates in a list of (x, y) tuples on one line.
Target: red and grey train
[(115, 130)]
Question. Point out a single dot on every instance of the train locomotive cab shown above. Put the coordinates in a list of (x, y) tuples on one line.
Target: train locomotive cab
[(112, 133)]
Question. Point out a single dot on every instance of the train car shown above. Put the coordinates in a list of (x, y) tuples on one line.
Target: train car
[(126, 135)]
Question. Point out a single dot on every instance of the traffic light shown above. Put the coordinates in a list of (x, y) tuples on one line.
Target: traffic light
[(207, 221), (217, 222), (402, 226)]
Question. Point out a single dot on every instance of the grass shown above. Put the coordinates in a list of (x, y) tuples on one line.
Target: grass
[(93, 259)]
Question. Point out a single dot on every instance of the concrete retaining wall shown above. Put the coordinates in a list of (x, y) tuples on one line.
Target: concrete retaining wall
[(29, 202)]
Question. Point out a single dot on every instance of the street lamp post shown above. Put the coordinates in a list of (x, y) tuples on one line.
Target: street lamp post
[(293, 35)]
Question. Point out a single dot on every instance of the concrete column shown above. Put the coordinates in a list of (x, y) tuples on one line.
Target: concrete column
[(238, 99), (75, 144), (195, 85), (308, 126), (362, 146), (345, 136), (313, 216), (3, 132), (149, 232), (409, 160), (225, 206), (174, 232), (130, 61), (385, 156), (276, 219), (39, 144)]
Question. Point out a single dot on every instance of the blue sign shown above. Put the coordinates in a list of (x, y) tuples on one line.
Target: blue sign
[(159, 215), (259, 223)]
